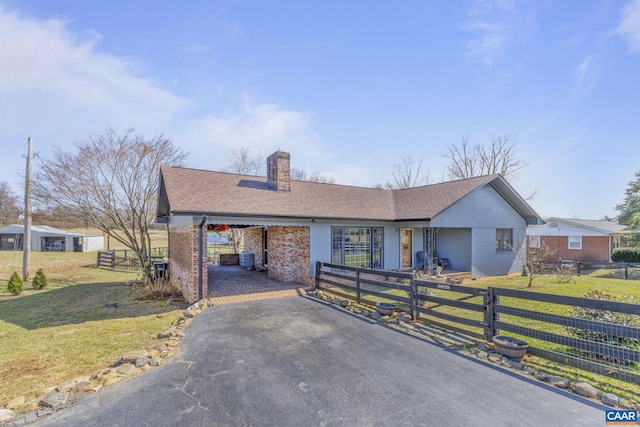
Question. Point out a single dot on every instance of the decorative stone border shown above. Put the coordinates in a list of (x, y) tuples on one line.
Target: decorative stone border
[(128, 366)]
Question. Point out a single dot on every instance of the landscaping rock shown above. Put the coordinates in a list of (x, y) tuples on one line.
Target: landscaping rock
[(528, 371), (515, 365), (587, 390), (404, 317), (112, 380), (155, 361), (482, 355), (345, 303), (55, 399), (610, 399), (374, 315), (560, 382), (142, 361), (16, 403), (484, 347), (541, 376), (43, 413), (358, 310), (66, 386), (132, 356), (126, 370), (384, 319), (494, 357), (6, 415), (82, 387)]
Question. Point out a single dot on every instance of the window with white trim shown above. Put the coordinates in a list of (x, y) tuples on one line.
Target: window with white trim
[(575, 242), (617, 242), (504, 240), (534, 241)]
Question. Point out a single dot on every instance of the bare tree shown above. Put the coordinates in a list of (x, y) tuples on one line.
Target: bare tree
[(9, 208), (244, 163), (534, 258), (302, 175), (407, 174), (469, 161), (111, 183)]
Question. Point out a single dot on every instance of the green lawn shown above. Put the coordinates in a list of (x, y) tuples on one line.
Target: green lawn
[(66, 330)]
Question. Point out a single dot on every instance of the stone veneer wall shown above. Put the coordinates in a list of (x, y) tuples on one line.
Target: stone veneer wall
[(183, 261)]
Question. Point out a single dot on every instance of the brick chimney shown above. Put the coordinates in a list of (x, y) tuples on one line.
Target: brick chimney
[(279, 171)]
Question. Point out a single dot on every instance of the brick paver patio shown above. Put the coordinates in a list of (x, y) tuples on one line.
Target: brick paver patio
[(233, 283)]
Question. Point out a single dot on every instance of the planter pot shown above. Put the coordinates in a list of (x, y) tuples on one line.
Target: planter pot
[(385, 309), (512, 348)]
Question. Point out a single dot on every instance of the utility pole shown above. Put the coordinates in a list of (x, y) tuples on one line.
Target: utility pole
[(27, 216)]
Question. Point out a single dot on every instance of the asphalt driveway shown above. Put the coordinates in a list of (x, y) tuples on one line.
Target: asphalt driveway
[(297, 361)]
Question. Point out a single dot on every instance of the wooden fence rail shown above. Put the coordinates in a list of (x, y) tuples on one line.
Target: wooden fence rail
[(483, 313), (127, 259)]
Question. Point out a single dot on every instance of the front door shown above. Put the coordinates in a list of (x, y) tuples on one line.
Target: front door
[(406, 248)]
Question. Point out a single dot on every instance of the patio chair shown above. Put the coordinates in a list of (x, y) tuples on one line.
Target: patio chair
[(442, 262)]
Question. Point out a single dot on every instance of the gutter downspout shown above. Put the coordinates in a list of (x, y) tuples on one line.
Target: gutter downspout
[(200, 256)]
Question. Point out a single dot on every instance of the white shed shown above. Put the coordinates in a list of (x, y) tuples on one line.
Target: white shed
[(49, 239)]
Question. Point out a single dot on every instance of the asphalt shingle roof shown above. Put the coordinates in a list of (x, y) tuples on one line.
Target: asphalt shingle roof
[(193, 191)]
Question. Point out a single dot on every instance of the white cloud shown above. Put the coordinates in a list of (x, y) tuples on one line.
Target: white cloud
[(585, 76), (494, 25), (58, 87), (261, 127), (629, 28)]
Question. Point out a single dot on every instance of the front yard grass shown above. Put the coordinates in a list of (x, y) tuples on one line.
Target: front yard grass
[(67, 330)]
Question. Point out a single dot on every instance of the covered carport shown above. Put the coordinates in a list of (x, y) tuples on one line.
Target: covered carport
[(234, 283)]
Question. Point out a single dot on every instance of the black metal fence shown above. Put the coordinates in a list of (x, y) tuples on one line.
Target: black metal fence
[(590, 334), (126, 259)]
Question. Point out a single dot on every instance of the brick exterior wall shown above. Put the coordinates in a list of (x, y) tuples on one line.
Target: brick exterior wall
[(253, 244), (288, 252), (594, 248), (183, 261), (278, 171)]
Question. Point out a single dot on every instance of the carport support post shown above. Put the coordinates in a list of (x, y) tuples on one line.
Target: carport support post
[(318, 272), (201, 256)]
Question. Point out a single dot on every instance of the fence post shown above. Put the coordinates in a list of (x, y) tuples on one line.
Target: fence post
[(626, 271), (358, 285), (113, 259), (318, 272), (413, 298), (490, 315)]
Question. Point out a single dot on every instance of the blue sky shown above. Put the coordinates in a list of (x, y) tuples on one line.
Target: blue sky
[(348, 88)]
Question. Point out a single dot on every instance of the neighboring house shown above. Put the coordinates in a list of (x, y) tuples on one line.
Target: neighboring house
[(583, 240), (289, 225), (48, 239)]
